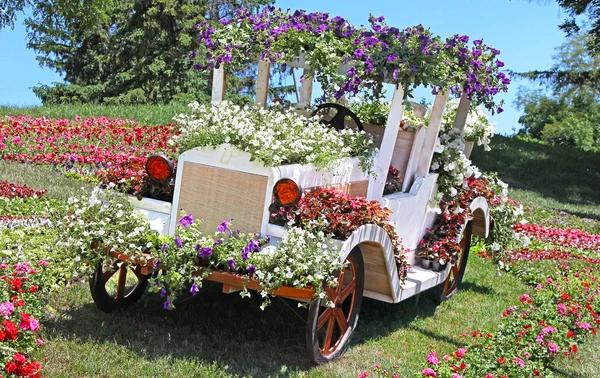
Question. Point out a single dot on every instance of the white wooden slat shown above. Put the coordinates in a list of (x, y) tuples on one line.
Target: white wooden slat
[(262, 83), (384, 158), (307, 87), (461, 114), (468, 149), (218, 88), (413, 161), (296, 85), (433, 130)]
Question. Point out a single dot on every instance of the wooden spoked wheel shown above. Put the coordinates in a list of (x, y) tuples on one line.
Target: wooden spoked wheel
[(117, 287), (450, 287), (329, 329)]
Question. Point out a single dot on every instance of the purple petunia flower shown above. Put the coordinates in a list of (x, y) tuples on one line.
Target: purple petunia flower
[(164, 248), (251, 270), (178, 242), (217, 242), (163, 292), (205, 252), (167, 305), (231, 263), (187, 220), (359, 53), (224, 226), (157, 263), (499, 63), (194, 289)]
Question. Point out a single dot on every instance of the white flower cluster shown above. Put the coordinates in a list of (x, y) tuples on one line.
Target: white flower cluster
[(477, 127), (303, 258), (270, 136), (451, 164), (104, 221)]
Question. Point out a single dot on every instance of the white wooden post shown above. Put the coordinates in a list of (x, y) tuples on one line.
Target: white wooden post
[(461, 119), (307, 88), (218, 87), (433, 130), (384, 158), (462, 113), (468, 149), (414, 158), (262, 83)]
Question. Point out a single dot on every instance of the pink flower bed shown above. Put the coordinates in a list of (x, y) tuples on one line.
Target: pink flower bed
[(552, 321), (574, 238)]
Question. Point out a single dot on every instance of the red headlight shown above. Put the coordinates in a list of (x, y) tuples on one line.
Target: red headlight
[(159, 167), (287, 192)]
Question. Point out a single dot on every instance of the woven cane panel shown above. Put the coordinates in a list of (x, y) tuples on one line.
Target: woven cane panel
[(217, 194)]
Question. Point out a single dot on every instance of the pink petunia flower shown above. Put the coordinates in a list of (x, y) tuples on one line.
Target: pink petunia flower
[(432, 358), (519, 362), (428, 372), (6, 308), (34, 324)]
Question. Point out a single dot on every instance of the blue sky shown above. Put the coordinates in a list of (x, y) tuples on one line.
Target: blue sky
[(525, 32)]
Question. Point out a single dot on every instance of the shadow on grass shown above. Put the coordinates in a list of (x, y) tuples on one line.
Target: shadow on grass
[(232, 331), (476, 288), (564, 174), (565, 374)]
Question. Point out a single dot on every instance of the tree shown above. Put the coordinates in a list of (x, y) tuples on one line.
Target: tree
[(568, 111), (9, 10), (132, 51)]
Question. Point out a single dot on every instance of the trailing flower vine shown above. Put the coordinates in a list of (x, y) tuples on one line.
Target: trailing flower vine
[(411, 56)]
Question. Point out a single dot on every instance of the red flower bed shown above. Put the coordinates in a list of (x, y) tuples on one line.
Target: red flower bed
[(11, 190), (113, 149), (574, 238), (20, 309)]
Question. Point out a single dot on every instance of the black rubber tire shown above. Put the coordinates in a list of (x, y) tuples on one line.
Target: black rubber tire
[(348, 307), (108, 302), (450, 286)]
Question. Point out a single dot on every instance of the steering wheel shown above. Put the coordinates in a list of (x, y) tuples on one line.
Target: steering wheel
[(337, 122)]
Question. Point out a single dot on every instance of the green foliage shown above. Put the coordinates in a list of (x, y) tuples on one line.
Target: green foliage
[(144, 114), (570, 115), (10, 9), (123, 52)]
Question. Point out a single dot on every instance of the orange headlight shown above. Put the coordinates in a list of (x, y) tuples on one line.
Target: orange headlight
[(287, 192), (159, 167)]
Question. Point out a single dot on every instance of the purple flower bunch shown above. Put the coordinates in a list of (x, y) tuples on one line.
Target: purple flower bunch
[(411, 56)]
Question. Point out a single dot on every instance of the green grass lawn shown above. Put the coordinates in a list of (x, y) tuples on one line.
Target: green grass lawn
[(146, 114), (214, 334), (232, 335)]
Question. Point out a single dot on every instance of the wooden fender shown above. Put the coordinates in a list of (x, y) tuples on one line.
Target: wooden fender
[(481, 217), (381, 275)]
